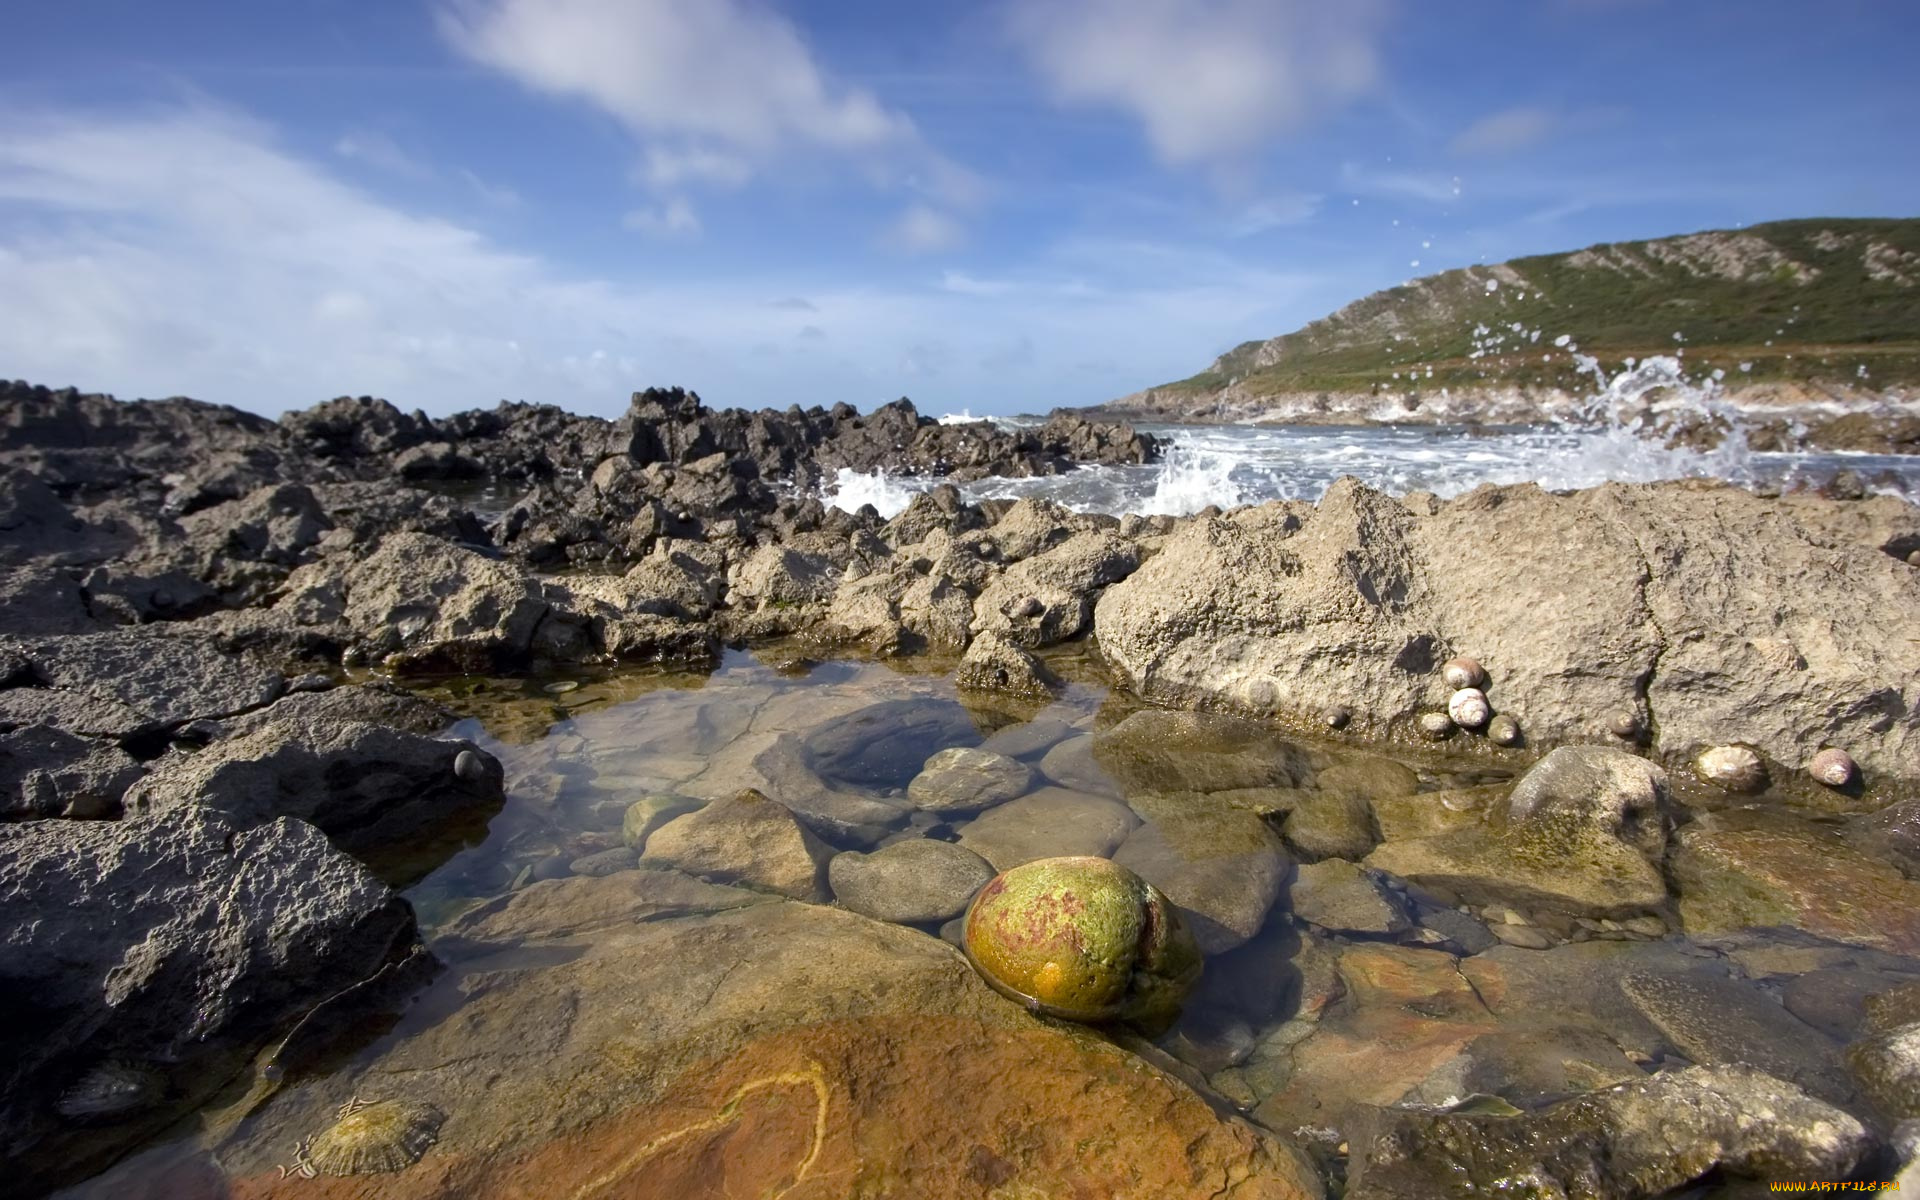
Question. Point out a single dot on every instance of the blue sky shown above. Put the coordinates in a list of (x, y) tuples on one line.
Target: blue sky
[(997, 206)]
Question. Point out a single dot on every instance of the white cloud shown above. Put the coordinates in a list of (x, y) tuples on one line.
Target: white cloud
[(1210, 80), (710, 75), (923, 230), (181, 251), (664, 168), (378, 150), (673, 219), (1291, 208), (962, 284), (1430, 186), (1505, 132)]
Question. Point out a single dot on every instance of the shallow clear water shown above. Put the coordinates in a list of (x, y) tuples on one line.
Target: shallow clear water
[(578, 751)]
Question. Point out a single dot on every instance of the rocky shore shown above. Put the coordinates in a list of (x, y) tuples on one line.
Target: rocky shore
[(214, 783)]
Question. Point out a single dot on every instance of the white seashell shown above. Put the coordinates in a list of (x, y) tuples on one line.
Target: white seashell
[(1835, 768), (1469, 708), (1463, 673), (1734, 768)]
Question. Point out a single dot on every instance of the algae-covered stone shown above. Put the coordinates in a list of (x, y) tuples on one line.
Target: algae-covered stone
[(1888, 1068), (1082, 938)]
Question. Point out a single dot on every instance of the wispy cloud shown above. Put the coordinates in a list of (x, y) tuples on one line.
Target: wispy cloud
[(1209, 80), (922, 230), (673, 219), (380, 151), (1505, 132)]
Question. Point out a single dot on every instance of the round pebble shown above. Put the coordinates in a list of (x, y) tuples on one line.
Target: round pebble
[(1468, 708), (1735, 768), (1835, 768), (560, 687), (1463, 673), (1503, 731), (1913, 558), (1435, 725), (468, 767)]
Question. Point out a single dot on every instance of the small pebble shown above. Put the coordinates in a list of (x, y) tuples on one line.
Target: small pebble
[(1435, 725), (560, 687), (1468, 708), (1735, 768), (1913, 558), (469, 767), (1524, 936), (1463, 673), (1645, 926), (1503, 731), (1835, 768)]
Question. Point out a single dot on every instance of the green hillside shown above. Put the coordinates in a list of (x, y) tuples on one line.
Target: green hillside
[(1810, 301)]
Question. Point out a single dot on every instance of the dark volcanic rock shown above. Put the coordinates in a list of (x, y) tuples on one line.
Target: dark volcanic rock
[(234, 933), (131, 683)]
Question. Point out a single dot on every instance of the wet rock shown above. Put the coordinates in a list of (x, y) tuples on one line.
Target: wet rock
[(995, 664), (911, 882), (1072, 765), (1225, 867), (1341, 897), (1424, 814), (965, 779), (735, 1032), (776, 763), (1616, 793), (236, 932), (748, 839), (649, 813), (1029, 739), (45, 772), (1330, 824), (1156, 750), (604, 862), (1048, 823), (1635, 1140), (1750, 869), (375, 702), (1082, 938), (885, 745), (573, 905), (1734, 768), (365, 786), (1888, 1068), (1470, 934), (1526, 937), (1720, 1022)]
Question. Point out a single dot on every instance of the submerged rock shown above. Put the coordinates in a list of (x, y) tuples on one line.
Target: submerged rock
[(748, 839), (965, 779), (1082, 938), (912, 882), (1636, 1140), (1048, 823), (1223, 866)]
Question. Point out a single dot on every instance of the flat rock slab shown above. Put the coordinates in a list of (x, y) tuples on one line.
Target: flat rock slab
[(1720, 1022), (1071, 765), (1343, 897), (1736, 871), (1049, 823), (914, 882), (560, 908), (1157, 750), (125, 682), (1565, 867), (777, 1049)]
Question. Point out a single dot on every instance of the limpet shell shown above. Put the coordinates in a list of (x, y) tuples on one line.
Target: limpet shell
[(1081, 938), (1833, 767), (1735, 768), (375, 1138)]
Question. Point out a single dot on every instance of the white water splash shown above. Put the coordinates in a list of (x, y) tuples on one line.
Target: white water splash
[(888, 494), (963, 417)]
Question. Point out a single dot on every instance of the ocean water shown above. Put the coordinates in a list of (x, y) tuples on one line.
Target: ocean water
[(1608, 441)]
